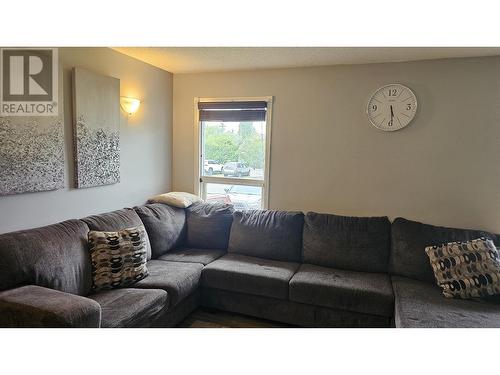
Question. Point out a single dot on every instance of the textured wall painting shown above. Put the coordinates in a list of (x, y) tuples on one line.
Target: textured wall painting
[(32, 153), (96, 134)]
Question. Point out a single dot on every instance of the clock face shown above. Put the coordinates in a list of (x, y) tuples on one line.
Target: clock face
[(392, 107)]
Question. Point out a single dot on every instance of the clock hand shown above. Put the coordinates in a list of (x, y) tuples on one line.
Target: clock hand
[(392, 116)]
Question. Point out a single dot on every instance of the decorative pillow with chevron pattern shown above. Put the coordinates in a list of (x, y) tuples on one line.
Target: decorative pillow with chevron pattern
[(118, 258), (466, 269)]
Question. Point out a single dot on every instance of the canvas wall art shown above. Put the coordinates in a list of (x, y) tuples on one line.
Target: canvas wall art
[(96, 109), (32, 152)]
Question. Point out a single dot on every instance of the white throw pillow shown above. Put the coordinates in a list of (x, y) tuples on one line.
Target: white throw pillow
[(176, 199)]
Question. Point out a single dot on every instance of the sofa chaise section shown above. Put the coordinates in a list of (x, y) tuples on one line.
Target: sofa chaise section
[(420, 304)]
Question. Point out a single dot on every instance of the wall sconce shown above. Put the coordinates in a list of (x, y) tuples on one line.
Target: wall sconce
[(129, 105)]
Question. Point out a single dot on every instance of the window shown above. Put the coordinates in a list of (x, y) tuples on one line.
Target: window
[(233, 150)]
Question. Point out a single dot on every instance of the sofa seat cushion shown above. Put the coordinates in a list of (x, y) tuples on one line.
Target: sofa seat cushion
[(244, 274), (126, 307), (177, 278), (193, 255), (363, 292), (422, 305)]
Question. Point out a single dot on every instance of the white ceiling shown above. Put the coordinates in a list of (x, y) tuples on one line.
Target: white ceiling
[(210, 59)]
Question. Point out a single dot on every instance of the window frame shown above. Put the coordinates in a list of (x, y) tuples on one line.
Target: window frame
[(200, 181)]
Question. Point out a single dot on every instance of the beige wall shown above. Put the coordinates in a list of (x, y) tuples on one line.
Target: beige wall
[(443, 169), (145, 142)]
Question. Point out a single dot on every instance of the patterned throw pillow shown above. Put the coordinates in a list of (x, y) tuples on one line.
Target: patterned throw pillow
[(118, 258), (466, 269)]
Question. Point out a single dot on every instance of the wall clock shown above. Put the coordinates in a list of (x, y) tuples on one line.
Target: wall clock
[(392, 107)]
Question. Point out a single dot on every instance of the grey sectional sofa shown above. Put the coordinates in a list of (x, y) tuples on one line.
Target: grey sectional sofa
[(312, 270)]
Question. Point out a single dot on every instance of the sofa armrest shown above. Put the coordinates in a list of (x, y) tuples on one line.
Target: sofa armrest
[(36, 306)]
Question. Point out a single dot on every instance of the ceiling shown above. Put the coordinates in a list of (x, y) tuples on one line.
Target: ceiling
[(212, 59)]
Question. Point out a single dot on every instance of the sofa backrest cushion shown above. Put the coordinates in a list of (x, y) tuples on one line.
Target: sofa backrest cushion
[(410, 238), (208, 225), (165, 226), (267, 234), (115, 221), (55, 256), (350, 243)]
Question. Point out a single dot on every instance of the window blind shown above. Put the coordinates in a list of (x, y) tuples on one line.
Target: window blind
[(233, 111)]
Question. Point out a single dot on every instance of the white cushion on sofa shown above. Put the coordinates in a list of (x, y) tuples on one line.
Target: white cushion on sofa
[(176, 199)]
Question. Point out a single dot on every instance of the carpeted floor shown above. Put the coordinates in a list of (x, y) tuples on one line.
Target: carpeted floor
[(208, 318)]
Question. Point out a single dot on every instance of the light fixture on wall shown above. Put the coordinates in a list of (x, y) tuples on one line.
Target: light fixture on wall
[(129, 105)]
